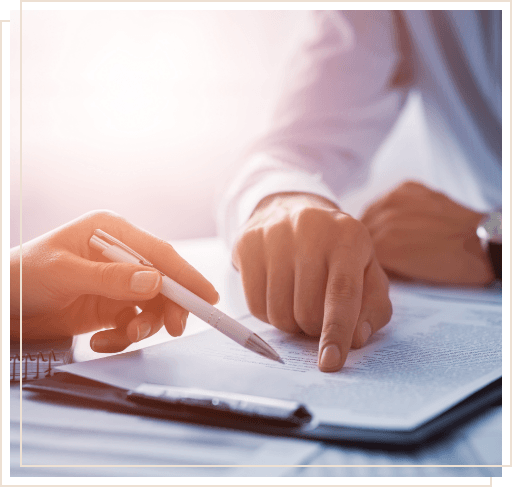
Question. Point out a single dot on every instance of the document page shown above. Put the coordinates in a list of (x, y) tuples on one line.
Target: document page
[(433, 354)]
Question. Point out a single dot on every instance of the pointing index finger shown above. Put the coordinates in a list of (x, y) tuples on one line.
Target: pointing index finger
[(343, 297)]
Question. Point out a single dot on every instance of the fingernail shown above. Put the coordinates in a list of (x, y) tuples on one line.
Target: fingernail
[(184, 321), (331, 357), (143, 331), (100, 344), (218, 298), (366, 331), (143, 282)]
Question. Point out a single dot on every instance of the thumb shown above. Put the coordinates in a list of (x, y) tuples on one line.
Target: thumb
[(116, 280)]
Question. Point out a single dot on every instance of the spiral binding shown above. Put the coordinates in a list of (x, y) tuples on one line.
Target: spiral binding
[(28, 363)]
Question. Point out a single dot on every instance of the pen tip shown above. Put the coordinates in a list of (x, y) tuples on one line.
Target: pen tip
[(256, 344)]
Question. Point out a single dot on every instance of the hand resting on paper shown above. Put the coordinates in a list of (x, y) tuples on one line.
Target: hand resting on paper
[(307, 266), (422, 234), (69, 288)]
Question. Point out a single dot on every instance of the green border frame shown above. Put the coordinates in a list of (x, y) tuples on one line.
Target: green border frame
[(7, 5)]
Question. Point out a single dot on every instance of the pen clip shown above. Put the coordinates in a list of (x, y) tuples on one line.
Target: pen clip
[(105, 236)]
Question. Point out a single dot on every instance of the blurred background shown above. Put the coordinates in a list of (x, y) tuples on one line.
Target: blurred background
[(147, 114)]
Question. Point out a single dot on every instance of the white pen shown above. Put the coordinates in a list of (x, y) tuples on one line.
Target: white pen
[(117, 251)]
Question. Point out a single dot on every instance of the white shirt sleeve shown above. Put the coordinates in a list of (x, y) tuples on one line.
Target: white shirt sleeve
[(339, 103)]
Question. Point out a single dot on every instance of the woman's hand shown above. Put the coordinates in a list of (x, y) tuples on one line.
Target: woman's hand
[(69, 288)]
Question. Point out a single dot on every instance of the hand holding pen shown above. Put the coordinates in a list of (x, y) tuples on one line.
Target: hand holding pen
[(69, 288), (117, 251)]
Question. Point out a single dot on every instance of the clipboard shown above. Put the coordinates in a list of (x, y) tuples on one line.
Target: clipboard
[(298, 423)]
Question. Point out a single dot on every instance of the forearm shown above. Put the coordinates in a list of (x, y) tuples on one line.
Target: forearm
[(338, 107)]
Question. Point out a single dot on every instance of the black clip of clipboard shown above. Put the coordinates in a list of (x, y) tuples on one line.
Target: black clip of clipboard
[(184, 404), (203, 402)]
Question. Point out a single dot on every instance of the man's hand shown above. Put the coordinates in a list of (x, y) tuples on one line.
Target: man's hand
[(306, 266), (422, 234), (69, 288)]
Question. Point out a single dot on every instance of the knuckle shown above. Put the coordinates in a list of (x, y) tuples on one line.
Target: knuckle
[(180, 270), (309, 215), (107, 273), (156, 246), (357, 342), (256, 306), (341, 288), (315, 221), (381, 312), (246, 247), (349, 223), (283, 320), (277, 236), (357, 231), (384, 281), (104, 215), (259, 313), (310, 328), (309, 321), (247, 237), (410, 185), (330, 329), (387, 312), (247, 242), (384, 217), (401, 193)]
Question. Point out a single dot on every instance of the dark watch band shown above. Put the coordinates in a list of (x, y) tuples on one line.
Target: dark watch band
[(494, 249), (489, 232)]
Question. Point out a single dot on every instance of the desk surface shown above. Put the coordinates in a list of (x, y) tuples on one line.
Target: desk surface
[(84, 440)]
